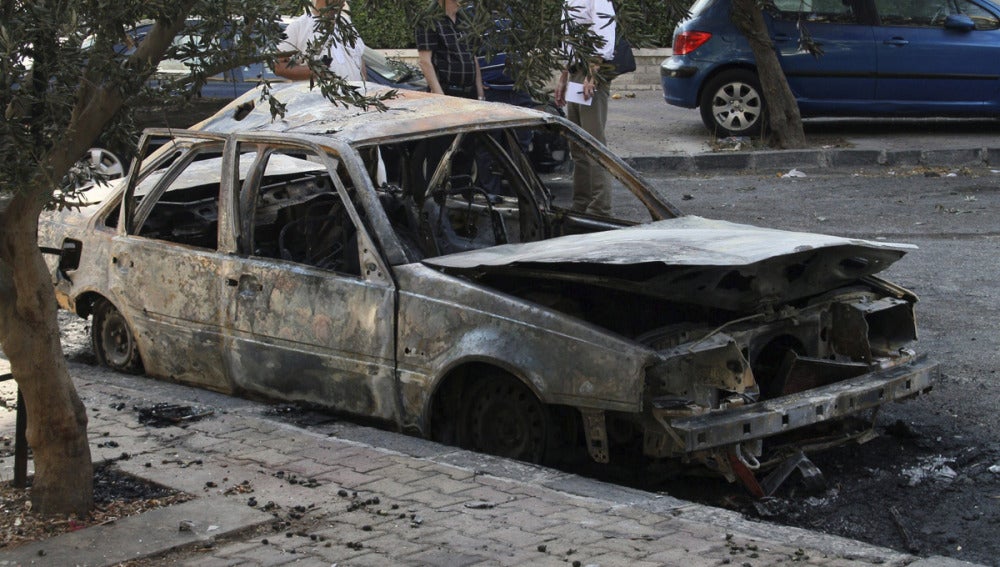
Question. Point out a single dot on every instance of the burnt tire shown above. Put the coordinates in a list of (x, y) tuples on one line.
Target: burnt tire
[(113, 340), (504, 418), (732, 104)]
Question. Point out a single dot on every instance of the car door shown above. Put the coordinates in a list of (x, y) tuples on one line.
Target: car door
[(166, 271), (845, 72), (310, 321), (927, 64)]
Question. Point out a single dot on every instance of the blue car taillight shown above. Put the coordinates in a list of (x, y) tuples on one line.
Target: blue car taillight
[(688, 41)]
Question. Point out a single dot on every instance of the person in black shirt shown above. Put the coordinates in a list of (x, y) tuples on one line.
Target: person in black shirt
[(446, 58)]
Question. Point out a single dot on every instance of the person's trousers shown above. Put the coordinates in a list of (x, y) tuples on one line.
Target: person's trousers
[(591, 186)]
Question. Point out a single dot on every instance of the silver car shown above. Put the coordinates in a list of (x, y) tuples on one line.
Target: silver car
[(409, 265)]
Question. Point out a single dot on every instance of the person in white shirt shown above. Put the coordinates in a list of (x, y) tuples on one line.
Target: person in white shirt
[(344, 59), (591, 189)]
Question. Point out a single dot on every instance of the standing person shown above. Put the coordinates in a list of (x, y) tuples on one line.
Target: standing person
[(446, 58), (591, 188), (343, 59)]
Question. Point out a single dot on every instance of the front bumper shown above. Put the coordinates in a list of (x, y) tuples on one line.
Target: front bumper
[(802, 409)]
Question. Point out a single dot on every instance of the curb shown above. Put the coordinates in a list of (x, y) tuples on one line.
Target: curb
[(146, 535), (823, 158)]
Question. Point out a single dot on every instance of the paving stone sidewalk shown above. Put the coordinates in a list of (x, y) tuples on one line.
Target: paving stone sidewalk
[(269, 493)]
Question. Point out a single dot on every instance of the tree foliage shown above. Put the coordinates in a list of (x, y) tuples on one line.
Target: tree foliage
[(390, 25)]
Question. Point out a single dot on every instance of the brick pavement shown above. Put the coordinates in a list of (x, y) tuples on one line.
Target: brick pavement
[(268, 494)]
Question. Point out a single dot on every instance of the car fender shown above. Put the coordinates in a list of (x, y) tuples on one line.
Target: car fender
[(446, 322)]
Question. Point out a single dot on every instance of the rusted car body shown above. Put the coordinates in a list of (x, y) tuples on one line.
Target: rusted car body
[(409, 266)]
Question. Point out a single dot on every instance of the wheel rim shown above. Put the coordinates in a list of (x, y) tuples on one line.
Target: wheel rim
[(106, 163), (116, 340), (737, 106), (508, 421)]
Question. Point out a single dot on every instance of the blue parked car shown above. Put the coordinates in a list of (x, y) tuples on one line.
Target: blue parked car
[(879, 58), (232, 83)]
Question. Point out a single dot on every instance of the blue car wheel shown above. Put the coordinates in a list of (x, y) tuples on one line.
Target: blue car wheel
[(732, 104)]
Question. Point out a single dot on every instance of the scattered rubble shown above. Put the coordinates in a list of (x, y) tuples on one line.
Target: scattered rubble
[(166, 415), (932, 468), (793, 173), (292, 478)]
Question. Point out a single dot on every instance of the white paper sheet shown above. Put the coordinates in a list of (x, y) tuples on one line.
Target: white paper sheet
[(574, 93)]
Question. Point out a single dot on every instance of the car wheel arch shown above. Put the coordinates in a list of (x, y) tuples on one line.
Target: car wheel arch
[(460, 376), (732, 103), (731, 66), (87, 301), (113, 337)]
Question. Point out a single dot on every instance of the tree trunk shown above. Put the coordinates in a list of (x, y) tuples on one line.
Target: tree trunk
[(29, 336), (782, 111), (29, 330)]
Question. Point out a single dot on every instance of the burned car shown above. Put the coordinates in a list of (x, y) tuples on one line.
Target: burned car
[(410, 266)]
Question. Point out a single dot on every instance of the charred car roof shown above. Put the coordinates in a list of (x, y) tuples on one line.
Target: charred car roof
[(309, 112)]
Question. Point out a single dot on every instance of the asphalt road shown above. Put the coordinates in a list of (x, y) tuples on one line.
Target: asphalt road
[(926, 484)]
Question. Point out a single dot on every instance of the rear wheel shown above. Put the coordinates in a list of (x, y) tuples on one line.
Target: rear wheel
[(732, 104), (506, 419), (113, 340)]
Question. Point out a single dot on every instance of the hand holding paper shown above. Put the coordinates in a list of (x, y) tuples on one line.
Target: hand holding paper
[(574, 93)]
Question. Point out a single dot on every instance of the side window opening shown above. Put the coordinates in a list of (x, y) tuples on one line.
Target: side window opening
[(454, 193), (150, 178), (186, 211), (296, 213)]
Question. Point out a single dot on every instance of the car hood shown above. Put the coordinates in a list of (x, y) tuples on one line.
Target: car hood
[(689, 259)]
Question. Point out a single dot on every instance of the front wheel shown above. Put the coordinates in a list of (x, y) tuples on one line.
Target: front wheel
[(113, 340), (506, 419), (732, 104)]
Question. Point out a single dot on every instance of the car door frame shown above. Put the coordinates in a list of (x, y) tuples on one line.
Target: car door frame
[(358, 378), (963, 89), (827, 83), (165, 289)]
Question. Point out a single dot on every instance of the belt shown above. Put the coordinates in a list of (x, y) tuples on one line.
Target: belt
[(457, 90)]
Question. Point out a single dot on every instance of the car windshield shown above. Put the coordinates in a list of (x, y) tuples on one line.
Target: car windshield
[(475, 189), (394, 71), (208, 171)]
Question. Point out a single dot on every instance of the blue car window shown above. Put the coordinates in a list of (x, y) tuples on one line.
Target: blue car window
[(984, 19), (911, 13), (932, 13), (818, 11)]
